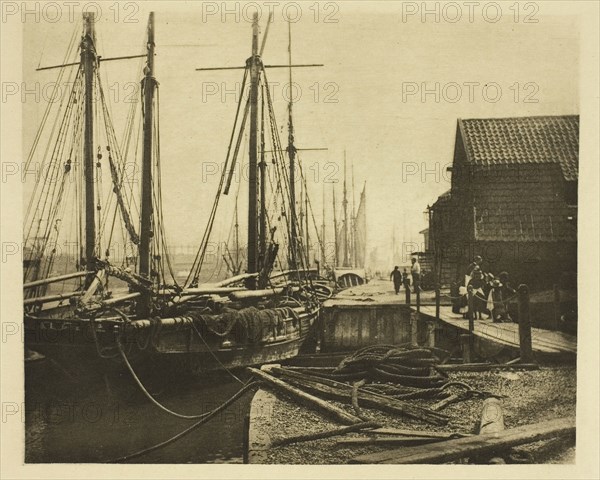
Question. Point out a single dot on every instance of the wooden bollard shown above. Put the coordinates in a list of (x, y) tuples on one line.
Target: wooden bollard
[(556, 324), (492, 421), (525, 325), (407, 292), (431, 334), (471, 316), (418, 295), (414, 329), (465, 343)]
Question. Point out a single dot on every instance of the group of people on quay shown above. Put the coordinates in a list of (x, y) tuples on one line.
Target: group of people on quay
[(491, 294), (405, 279)]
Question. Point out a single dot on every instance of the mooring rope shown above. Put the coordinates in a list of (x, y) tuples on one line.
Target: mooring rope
[(147, 393), (204, 418)]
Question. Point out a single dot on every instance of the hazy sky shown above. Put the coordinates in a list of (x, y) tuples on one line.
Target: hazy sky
[(365, 100)]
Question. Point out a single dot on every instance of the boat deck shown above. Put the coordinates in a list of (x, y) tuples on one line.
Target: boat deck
[(507, 334)]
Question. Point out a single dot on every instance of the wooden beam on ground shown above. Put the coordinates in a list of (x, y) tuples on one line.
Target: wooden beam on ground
[(418, 433), (452, 450), (445, 402), (330, 433), (305, 398), (403, 441), (486, 367)]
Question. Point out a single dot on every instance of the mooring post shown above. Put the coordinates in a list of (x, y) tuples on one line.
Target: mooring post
[(471, 317), (556, 308), (465, 341), (431, 334), (414, 329), (418, 295), (525, 325), (437, 302), (407, 290)]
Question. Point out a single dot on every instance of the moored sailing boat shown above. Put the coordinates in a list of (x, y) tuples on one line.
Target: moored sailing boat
[(144, 319)]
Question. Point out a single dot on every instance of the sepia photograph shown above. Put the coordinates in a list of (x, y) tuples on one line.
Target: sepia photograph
[(329, 233)]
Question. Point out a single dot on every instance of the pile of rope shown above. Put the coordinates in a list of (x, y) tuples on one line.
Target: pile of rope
[(248, 325), (401, 365)]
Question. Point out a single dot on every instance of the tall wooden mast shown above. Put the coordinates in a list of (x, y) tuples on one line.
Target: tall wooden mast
[(89, 64), (346, 261), (263, 190), (306, 230), (148, 86), (237, 238), (353, 237), (255, 66), (293, 244), (336, 258), (323, 244)]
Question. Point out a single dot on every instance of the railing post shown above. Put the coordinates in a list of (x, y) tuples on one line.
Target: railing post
[(470, 316), (437, 302), (413, 329), (465, 341), (407, 290), (431, 334), (525, 325), (556, 308)]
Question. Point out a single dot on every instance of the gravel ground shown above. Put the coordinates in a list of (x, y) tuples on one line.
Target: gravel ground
[(528, 397)]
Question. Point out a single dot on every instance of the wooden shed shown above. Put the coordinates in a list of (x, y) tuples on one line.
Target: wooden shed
[(513, 200)]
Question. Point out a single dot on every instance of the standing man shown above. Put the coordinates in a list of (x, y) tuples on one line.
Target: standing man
[(396, 277), (415, 271), (476, 263)]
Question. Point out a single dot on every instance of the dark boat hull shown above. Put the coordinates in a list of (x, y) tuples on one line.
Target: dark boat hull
[(82, 346)]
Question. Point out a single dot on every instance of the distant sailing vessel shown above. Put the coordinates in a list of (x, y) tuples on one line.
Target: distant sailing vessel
[(350, 239), (84, 306)]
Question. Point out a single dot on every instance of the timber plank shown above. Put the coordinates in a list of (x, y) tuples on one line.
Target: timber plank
[(490, 443), (305, 398)]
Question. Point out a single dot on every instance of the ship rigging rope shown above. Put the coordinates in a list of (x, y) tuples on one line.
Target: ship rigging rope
[(199, 259), (205, 418), (61, 72), (282, 172), (54, 174), (159, 207), (235, 377), (51, 167), (143, 389), (116, 177)]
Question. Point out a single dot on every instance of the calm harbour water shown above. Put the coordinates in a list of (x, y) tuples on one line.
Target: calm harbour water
[(69, 420), (72, 418)]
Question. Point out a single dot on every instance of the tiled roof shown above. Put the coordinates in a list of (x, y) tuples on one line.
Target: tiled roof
[(522, 140)]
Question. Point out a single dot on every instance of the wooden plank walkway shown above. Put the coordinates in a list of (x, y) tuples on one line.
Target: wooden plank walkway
[(543, 341)]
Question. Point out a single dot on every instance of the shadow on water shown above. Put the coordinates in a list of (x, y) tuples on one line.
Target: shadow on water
[(75, 419)]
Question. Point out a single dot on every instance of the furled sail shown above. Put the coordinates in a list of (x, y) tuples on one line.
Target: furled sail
[(360, 231)]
